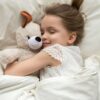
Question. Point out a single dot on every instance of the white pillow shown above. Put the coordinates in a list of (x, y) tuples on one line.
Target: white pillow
[(90, 44), (50, 2)]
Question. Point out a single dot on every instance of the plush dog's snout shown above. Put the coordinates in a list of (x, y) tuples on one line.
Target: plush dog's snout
[(35, 42)]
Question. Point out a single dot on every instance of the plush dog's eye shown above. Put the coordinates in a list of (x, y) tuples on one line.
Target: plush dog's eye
[(28, 36)]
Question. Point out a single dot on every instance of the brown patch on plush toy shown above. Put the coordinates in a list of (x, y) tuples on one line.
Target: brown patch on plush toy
[(26, 18)]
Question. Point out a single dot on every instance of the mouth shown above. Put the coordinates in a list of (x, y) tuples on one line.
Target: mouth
[(46, 44)]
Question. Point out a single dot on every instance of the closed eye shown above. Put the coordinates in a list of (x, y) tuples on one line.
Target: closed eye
[(51, 30)]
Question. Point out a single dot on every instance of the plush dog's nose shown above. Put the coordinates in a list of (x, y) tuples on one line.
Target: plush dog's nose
[(38, 39)]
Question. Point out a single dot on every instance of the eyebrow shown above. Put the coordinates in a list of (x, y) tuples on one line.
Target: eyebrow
[(50, 27), (53, 28)]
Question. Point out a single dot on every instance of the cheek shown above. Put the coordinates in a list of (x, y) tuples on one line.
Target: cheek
[(63, 36), (60, 37), (57, 38)]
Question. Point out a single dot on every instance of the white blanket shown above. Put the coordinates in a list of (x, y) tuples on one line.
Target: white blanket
[(12, 86), (83, 86)]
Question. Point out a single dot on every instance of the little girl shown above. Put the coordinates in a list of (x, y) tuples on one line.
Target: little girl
[(62, 29)]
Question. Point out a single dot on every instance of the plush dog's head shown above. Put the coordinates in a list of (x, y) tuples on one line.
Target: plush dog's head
[(29, 34)]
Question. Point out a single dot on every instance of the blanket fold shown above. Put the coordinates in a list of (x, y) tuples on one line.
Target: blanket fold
[(83, 86)]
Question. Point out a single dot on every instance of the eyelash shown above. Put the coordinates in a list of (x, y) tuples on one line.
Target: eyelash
[(49, 31)]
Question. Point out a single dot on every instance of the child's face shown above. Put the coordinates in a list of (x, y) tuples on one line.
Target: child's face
[(53, 31)]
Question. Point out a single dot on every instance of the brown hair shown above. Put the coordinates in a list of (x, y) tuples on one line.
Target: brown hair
[(71, 17)]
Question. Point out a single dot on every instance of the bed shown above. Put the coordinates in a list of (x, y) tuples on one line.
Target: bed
[(82, 87)]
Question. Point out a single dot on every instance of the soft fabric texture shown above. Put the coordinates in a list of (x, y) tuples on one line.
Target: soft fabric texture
[(11, 87), (90, 44), (82, 86), (70, 58), (50, 2), (69, 83), (93, 63)]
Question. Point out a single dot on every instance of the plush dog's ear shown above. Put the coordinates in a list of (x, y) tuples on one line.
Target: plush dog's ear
[(26, 18)]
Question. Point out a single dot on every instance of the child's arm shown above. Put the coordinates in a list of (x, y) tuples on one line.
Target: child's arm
[(31, 65)]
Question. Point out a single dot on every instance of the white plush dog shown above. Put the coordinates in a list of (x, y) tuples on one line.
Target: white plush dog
[(29, 42)]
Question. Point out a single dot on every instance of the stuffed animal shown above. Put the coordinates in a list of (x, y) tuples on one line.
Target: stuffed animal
[(28, 38)]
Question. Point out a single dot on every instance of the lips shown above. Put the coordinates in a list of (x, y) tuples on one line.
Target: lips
[(46, 44)]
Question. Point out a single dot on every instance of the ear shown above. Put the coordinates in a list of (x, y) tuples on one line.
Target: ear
[(26, 18), (72, 38)]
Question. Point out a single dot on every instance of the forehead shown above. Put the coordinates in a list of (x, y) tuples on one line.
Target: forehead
[(51, 20)]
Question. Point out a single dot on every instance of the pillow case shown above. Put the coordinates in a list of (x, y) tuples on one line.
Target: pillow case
[(90, 44), (50, 2)]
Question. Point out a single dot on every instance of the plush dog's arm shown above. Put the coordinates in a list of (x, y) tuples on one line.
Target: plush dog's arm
[(7, 56)]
